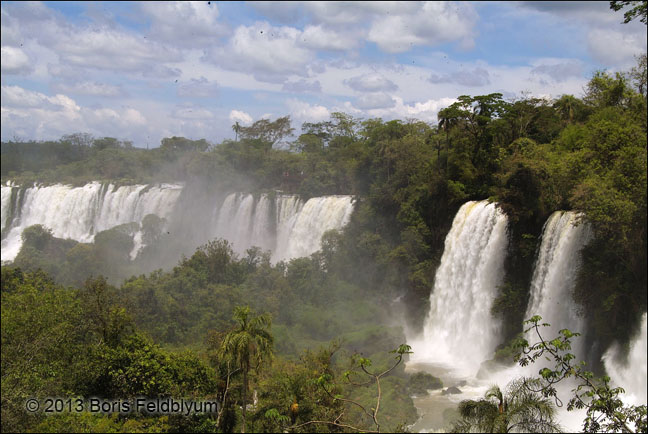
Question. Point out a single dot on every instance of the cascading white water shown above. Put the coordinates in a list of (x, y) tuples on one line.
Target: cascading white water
[(459, 330), (303, 232), (288, 227), (630, 375), (282, 224), (5, 206), (554, 276), (79, 213)]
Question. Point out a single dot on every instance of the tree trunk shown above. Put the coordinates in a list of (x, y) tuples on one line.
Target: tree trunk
[(245, 386)]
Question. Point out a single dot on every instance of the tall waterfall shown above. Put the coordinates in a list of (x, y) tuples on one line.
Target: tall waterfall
[(79, 213), (286, 226), (554, 276), (631, 374), (459, 330), (283, 224)]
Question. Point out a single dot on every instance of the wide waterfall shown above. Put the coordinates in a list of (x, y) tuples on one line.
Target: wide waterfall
[(554, 276), (285, 225), (630, 373), (79, 213), (459, 330)]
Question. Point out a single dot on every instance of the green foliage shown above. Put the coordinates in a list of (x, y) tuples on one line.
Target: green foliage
[(517, 409), (605, 410), (638, 10)]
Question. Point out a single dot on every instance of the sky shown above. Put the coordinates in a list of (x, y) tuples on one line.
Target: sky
[(149, 70)]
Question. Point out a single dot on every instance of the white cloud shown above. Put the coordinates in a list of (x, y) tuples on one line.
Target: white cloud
[(109, 49), (371, 82), (433, 24), (38, 116), (612, 47), (301, 111), (426, 111), (268, 53), (14, 61), (472, 78), (321, 38), (558, 69), (241, 117), (302, 85), (192, 112), (89, 88), (374, 101), (184, 23), (198, 88)]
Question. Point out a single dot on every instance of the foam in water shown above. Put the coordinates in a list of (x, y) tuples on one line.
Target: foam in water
[(459, 330), (554, 277), (631, 373)]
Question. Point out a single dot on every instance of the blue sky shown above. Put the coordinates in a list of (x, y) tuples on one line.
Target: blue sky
[(144, 71)]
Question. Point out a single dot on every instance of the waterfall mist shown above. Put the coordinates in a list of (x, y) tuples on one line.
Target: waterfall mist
[(630, 372)]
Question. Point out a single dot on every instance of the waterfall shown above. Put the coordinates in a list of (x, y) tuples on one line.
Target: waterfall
[(79, 213), (459, 330), (303, 231), (6, 206), (554, 276), (630, 375), (286, 226)]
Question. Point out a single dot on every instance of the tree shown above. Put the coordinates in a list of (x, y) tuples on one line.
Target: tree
[(270, 133), (638, 10), (248, 345), (639, 74), (518, 409), (605, 410), (568, 106), (325, 381), (237, 128), (105, 143)]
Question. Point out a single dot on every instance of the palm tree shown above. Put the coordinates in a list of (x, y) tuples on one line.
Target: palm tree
[(518, 410), (567, 106), (248, 345), (236, 127)]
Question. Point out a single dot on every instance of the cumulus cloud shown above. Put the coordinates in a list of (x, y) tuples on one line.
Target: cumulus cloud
[(190, 24), (611, 47), (241, 117), (89, 88), (372, 82), (302, 85), (14, 61), (192, 112), (425, 111), (320, 38), (374, 101), (109, 49), (198, 88), (433, 24), (268, 53), (559, 71), (474, 78), (301, 111), (38, 116)]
